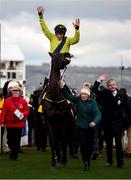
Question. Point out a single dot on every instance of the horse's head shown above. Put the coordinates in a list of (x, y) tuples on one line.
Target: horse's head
[(61, 59)]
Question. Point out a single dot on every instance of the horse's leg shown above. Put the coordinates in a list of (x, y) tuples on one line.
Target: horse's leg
[(52, 144), (57, 144), (64, 144)]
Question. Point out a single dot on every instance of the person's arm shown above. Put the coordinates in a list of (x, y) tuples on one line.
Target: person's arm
[(76, 37), (66, 91), (44, 27), (97, 83), (69, 95), (95, 88)]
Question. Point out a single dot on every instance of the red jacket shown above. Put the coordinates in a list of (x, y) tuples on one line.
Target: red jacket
[(7, 116)]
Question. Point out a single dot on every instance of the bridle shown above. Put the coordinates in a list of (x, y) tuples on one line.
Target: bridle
[(62, 76)]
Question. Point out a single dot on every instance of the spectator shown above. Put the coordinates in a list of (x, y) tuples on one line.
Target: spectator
[(14, 112), (113, 107), (88, 115)]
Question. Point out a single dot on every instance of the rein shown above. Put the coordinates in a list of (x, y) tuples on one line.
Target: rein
[(63, 73), (57, 102)]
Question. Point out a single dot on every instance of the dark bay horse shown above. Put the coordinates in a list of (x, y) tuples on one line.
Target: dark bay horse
[(55, 110)]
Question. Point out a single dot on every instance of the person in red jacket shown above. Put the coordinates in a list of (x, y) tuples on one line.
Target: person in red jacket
[(13, 115)]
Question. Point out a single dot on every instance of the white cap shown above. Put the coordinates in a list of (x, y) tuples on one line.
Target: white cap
[(17, 87), (12, 84), (85, 91)]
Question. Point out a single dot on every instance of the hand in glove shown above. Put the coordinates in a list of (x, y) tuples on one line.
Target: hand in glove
[(103, 77), (40, 10), (92, 124), (62, 83)]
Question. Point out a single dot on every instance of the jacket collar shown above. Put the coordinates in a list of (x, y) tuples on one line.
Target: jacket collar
[(16, 98)]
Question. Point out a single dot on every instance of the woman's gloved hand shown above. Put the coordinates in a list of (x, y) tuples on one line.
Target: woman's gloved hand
[(62, 84), (92, 124)]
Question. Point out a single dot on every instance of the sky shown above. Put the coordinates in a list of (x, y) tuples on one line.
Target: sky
[(105, 29)]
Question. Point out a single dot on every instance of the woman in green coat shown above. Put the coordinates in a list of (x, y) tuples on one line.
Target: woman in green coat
[(88, 116)]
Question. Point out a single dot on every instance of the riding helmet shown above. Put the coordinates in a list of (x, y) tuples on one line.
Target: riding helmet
[(60, 29)]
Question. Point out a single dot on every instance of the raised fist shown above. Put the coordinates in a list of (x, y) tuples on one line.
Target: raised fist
[(40, 10), (103, 77)]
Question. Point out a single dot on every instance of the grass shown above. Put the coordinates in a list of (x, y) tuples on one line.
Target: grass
[(36, 165)]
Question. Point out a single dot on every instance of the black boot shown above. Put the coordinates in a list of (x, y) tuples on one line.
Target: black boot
[(94, 156), (120, 163)]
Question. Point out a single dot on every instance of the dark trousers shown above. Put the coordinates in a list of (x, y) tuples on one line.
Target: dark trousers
[(75, 142), (95, 140), (30, 130), (86, 143), (117, 134), (100, 136), (2, 133), (14, 137), (41, 136), (101, 139), (41, 132)]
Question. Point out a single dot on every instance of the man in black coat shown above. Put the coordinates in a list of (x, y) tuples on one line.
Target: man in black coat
[(113, 106)]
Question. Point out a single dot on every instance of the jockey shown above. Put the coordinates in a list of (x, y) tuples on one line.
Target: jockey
[(59, 35), (60, 31)]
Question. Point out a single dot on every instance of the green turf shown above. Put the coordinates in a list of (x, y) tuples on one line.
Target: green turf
[(36, 165)]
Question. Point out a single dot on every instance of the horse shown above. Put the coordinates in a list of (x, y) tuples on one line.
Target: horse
[(56, 111)]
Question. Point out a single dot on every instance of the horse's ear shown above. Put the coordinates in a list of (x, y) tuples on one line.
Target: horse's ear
[(67, 54), (71, 55), (50, 54)]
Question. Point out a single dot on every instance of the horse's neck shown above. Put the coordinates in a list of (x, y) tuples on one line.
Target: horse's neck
[(53, 90), (54, 78)]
